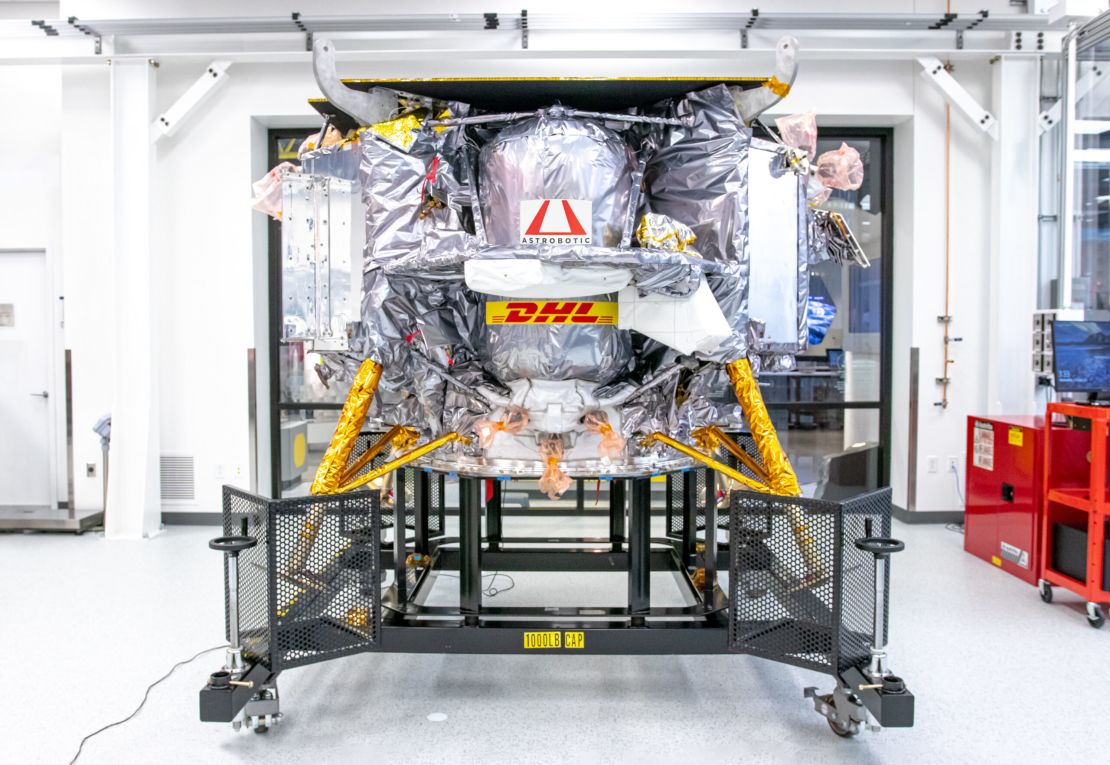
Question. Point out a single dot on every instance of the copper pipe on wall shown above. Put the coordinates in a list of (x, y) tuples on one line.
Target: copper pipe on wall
[(946, 319)]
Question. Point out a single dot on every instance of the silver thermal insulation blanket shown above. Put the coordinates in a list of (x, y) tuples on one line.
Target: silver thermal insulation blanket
[(457, 194)]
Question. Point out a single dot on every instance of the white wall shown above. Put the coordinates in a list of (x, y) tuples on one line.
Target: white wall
[(207, 238)]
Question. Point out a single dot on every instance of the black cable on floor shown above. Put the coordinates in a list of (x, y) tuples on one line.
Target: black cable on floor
[(146, 695)]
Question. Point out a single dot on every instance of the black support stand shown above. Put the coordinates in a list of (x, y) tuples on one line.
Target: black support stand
[(639, 551), (617, 511), (493, 518), (470, 549)]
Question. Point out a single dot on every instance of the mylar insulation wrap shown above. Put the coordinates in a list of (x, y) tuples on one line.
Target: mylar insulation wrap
[(450, 195)]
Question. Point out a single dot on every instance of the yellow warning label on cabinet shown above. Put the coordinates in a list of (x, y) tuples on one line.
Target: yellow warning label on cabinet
[(996, 560), (574, 639), (1017, 436)]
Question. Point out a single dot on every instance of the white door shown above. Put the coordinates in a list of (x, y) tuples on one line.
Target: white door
[(25, 404)]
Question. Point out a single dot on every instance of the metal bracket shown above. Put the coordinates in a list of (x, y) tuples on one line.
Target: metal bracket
[(367, 107), (296, 16), (47, 29), (934, 71), (524, 30), (97, 43), (168, 122), (1053, 114), (744, 39)]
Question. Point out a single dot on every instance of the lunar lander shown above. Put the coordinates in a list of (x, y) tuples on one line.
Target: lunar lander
[(555, 280)]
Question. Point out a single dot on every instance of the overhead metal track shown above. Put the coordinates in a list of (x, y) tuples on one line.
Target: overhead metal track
[(526, 22)]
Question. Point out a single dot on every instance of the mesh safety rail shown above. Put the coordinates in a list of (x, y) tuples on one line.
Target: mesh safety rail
[(800, 591), (311, 589)]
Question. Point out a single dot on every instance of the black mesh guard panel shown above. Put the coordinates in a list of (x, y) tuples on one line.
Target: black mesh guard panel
[(331, 605), (784, 609)]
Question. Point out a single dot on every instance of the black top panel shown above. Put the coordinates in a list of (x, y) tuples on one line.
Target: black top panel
[(508, 94)]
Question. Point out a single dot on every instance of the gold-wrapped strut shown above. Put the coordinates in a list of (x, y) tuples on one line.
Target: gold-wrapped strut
[(401, 461), (781, 477), (709, 439), (706, 460), (332, 466), (399, 438)]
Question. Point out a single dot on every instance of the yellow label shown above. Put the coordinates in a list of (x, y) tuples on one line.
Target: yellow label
[(996, 560), (550, 312), (574, 639), (543, 640), (1017, 436)]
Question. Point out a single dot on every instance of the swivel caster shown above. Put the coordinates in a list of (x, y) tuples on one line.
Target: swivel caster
[(1095, 616), (844, 731), (842, 710), (1045, 589)]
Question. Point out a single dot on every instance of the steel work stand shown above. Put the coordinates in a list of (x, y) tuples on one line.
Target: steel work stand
[(309, 601)]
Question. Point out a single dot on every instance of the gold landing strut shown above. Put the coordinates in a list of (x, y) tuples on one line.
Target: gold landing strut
[(783, 480), (332, 466), (404, 459), (398, 436), (706, 460), (710, 438), (330, 472)]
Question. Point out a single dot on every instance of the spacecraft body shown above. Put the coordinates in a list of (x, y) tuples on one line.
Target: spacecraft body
[(558, 283)]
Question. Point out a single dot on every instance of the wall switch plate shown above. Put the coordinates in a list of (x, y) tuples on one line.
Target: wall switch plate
[(932, 463)]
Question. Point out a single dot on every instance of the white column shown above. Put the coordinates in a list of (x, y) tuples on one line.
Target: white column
[(134, 488), (1013, 256)]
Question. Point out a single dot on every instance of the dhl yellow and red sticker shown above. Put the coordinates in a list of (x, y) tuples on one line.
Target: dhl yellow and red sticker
[(550, 312)]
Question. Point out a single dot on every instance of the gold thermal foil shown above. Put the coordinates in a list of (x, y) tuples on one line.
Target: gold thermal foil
[(400, 132), (330, 472), (783, 480)]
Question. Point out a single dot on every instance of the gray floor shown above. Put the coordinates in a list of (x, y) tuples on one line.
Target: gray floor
[(87, 624)]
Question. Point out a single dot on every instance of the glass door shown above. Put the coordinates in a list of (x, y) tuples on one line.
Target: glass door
[(832, 411), (304, 409)]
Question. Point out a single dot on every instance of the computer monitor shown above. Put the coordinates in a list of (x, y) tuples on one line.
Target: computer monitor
[(1081, 351)]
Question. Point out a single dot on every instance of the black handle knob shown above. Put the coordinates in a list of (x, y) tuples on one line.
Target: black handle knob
[(232, 545), (880, 546)]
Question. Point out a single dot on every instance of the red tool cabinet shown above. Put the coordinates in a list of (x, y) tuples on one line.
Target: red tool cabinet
[(1003, 505)]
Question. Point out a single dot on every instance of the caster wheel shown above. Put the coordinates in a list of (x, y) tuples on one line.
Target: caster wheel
[(262, 729), (844, 731), (1046, 591), (1094, 616)]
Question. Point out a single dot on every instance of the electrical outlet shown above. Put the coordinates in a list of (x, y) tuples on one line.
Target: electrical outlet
[(954, 464), (90, 470), (932, 463)]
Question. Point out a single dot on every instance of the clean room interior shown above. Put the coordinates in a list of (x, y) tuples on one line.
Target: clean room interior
[(564, 287)]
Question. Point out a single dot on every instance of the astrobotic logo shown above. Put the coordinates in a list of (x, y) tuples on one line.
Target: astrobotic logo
[(561, 223), (550, 312)]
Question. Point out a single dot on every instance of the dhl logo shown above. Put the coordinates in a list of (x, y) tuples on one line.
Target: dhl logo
[(550, 312)]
